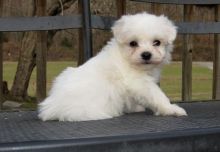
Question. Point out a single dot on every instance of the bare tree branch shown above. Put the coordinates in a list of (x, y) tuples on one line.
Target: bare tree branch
[(56, 8)]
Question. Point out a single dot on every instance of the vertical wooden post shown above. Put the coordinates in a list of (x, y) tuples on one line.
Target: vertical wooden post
[(216, 63), (155, 8), (187, 59), (1, 61), (121, 7), (81, 52), (41, 52), (85, 34)]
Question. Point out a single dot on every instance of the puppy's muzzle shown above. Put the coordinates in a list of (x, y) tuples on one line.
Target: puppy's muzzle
[(146, 56)]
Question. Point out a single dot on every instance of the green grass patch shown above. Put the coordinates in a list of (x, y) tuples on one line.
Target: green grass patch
[(170, 79), (201, 82), (53, 69)]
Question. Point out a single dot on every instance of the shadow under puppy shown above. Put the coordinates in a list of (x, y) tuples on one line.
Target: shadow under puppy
[(122, 78)]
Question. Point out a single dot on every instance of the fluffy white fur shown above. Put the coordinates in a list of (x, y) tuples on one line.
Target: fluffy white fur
[(117, 80)]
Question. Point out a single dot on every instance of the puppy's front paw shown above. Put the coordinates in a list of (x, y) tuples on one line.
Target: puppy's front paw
[(177, 111), (172, 110)]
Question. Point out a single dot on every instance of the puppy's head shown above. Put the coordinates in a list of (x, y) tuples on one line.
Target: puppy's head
[(145, 39)]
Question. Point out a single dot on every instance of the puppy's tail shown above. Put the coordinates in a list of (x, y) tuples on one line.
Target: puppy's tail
[(45, 110)]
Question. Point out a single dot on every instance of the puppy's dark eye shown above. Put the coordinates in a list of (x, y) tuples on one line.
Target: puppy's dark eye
[(156, 43), (133, 44)]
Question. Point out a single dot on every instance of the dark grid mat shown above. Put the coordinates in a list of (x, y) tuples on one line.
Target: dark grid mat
[(25, 126)]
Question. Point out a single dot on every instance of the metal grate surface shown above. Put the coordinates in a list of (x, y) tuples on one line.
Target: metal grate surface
[(26, 127)]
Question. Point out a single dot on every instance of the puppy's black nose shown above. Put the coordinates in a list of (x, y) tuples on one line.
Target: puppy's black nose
[(146, 55)]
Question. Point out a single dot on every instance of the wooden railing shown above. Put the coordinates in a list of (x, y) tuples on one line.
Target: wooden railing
[(188, 28), (86, 22)]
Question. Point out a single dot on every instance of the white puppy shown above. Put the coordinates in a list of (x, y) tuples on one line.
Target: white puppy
[(121, 78)]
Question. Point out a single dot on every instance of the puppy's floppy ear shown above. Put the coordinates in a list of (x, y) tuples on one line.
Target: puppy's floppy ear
[(117, 29), (170, 29)]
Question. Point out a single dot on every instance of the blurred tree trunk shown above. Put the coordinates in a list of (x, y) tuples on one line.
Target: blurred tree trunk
[(27, 57), (26, 64)]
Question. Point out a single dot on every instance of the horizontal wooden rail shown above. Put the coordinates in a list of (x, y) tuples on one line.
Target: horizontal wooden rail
[(21, 24), (183, 27), (182, 2), (198, 27), (98, 22)]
